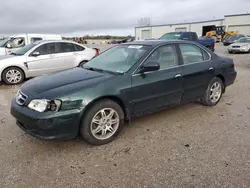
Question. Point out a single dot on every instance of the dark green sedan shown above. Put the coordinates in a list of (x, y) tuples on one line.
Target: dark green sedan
[(124, 82)]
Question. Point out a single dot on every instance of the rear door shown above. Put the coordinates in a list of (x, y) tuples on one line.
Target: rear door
[(197, 71), (45, 63), (161, 88), (67, 54)]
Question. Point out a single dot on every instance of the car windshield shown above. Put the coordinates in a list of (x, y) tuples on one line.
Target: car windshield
[(118, 59), (244, 40), (233, 37), (2, 43), (171, 36), (24, 49)]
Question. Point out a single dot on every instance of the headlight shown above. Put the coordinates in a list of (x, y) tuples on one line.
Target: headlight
[(42, 105), (244, 46)]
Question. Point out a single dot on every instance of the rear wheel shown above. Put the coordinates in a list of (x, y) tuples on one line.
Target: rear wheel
[(213, 93), (13, 75), (102, 122)]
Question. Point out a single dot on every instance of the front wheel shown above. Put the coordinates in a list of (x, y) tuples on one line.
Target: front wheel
[(13, 75), (213, 93), (102, 122)]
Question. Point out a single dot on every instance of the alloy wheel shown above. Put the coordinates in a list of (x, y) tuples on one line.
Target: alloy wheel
[(215, 92), (105, 123), (13, 76)]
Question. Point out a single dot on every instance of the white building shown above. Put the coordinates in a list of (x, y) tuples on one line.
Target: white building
[(238, 22)]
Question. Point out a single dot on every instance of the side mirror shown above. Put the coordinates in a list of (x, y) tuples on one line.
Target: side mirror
[(150, 67), (8, 46), (35, 54)]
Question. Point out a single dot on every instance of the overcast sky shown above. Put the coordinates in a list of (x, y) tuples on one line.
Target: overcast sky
[(115, 17)]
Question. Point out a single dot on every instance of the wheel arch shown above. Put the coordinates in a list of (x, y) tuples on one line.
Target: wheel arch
[(220, 76), (14, 66), (114, 98)]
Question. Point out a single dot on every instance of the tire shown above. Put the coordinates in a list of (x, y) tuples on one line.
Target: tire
[(14, 71), (82, 63), (207, 99), (89, 130), (230, 52)]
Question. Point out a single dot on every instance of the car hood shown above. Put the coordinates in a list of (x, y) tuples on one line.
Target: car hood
[(239, 44), (78, 76)]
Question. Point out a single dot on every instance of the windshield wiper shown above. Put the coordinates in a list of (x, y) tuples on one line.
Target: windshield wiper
[(93, 69)]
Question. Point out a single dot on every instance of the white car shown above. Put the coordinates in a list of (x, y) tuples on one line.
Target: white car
[(41, 58), (241, 45), (15, 42)]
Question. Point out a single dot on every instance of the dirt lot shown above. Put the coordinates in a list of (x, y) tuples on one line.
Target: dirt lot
[(187, 146)]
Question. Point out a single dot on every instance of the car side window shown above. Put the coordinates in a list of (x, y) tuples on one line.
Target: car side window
[(65, 47), (192, 54), (34, 39), (46, 49), (166, 56), (78, 48)]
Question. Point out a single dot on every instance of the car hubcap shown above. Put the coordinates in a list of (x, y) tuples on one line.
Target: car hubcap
[(13, 76), (215, 92), (105, 123)]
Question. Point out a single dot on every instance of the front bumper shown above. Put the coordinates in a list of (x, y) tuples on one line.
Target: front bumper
[(238, 49), (47, 125)]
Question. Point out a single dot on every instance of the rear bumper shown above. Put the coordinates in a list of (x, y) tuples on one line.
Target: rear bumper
[(46, 126), (230, 78)]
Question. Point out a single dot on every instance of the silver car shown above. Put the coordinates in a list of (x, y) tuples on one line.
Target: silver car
[(241, 45), (41, 58)]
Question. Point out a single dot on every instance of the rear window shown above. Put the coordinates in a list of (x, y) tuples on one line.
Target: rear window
[(171, 36)]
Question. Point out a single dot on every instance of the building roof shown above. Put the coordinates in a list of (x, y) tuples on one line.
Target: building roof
[(181, 23), (232, 15)]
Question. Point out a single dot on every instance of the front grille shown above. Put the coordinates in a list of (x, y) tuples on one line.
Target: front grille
[(236, 46), (21, 98)]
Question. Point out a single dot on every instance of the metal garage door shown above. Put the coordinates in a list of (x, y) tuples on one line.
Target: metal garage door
[(145, 34), (243, 29), (181, 29)]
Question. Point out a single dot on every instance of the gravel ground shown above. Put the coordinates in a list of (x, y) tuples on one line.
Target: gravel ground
[(187, 146)]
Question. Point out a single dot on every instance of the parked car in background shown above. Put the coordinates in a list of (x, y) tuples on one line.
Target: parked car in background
[(241, 45), (191, 36), (124, 82), (16, 42), (232, 39), (43, 57)]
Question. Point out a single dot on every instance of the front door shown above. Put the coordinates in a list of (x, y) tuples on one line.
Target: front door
[(197, 71), (153, 90), (46, 62)]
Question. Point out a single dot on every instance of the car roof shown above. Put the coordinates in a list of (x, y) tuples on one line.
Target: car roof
[(47, 41), (157, 42)]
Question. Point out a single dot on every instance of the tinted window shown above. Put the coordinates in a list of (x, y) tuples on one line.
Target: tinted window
[(46, 49), (34, 39), (78, 48), (171, 36), (191, 53), (63, 47), (166, 56), (194, 37), (185, 36)]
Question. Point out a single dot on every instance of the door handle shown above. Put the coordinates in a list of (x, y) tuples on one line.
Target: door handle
[(75, 53), (178, 76), (211, 68), (52, 55)]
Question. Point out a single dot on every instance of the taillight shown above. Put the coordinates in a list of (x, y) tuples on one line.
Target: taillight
[(97, 51)]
